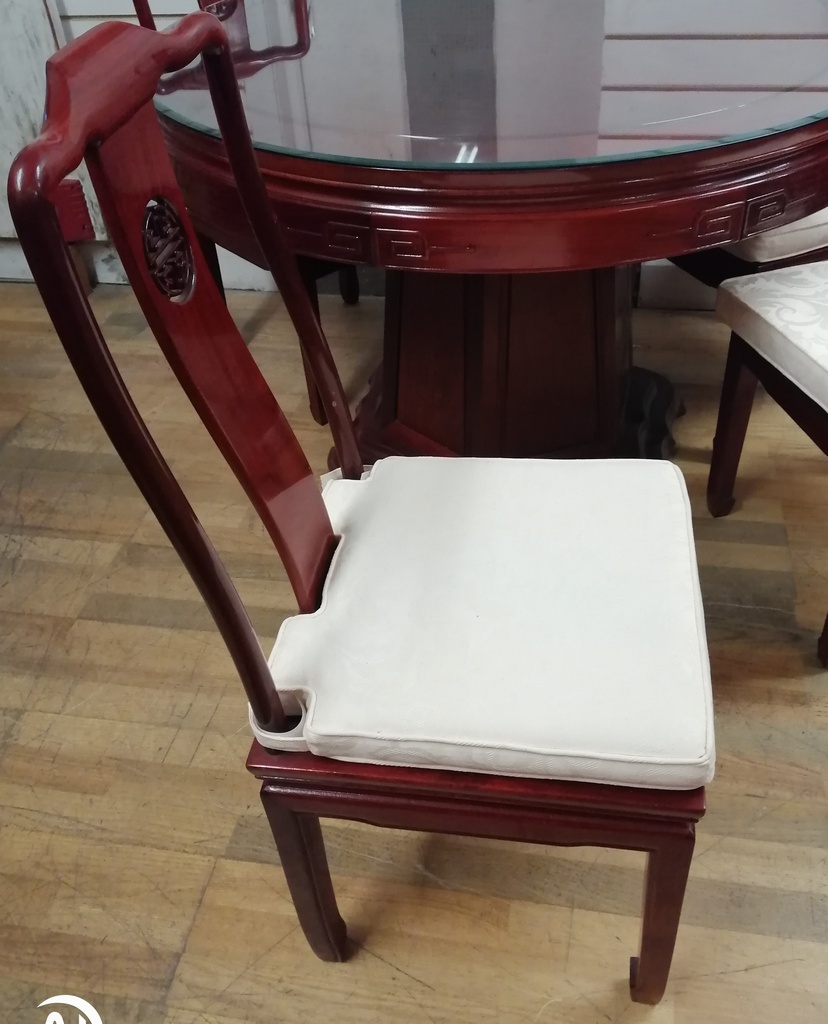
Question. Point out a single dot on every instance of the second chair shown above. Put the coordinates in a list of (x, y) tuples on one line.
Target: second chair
[(779, 321)]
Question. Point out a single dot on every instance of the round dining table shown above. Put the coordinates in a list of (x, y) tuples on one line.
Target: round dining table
[(508, 162)]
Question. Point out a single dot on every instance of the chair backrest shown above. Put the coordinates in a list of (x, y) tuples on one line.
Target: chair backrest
[(99, 107), (144, 14), (246, 60)]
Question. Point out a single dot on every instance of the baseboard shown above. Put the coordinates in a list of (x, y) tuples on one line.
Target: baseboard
[(664, 286), (13, 265), (105, 267)]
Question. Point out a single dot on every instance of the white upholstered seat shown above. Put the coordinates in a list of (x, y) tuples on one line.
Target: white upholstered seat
[(783, 314), (801, 236), (573, 647)]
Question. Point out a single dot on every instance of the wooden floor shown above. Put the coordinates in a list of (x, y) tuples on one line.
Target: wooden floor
[(135, 864)]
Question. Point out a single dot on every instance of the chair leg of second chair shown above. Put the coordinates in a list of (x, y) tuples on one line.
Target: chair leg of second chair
[(317, 409), (738, 389), (822, 645), (348, 284), (208, 247)]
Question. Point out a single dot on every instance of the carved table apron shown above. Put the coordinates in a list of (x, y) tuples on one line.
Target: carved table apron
[(506, 329)]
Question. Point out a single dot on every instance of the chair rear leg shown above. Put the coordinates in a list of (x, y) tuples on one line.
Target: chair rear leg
[(302, 851), (822, 645), (317, 409), (738, 389), (208, 247), (348, 284), (668, 866)]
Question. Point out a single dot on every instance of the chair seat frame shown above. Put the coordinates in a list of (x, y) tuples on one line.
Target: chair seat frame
[(712, 266), (298, 789)]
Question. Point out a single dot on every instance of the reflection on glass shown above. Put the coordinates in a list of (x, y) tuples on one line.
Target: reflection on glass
[(246, 59), (483, 83)]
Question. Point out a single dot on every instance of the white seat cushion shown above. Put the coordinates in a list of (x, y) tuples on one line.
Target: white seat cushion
[(783, 314), (804, 235), (518, 617)]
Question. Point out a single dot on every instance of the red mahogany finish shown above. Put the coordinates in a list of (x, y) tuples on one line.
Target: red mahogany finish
[(716, 265), (144, 13), (513, 220), (73, 213), (299, 788), (116, 131), (247, 62), (501, 223)]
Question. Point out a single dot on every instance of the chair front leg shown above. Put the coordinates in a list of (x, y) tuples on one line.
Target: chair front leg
[(302, 851), (668, 866), (738, 389)]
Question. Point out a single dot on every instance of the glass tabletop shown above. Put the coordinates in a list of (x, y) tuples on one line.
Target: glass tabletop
[(482, 84)]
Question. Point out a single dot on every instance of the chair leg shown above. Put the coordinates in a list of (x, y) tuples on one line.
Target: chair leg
[(302, 851), (822, 645), (668, 866), (317, 409), (208, 248), (738, 389), (348, 285)]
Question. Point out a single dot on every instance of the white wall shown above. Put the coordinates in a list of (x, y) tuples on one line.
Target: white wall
[(78, 16), (632, 84), (34, 29), (31, 31), (567, 73)]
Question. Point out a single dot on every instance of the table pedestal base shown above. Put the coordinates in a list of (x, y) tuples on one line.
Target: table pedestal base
[(520, 365)]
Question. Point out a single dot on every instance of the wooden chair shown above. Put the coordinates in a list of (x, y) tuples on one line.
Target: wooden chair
[(500, 648), (247, 62), (779, 321), (803, 241)]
